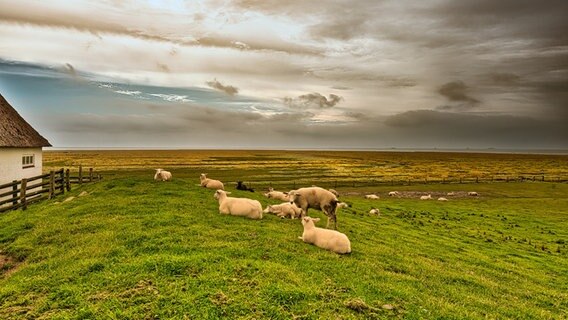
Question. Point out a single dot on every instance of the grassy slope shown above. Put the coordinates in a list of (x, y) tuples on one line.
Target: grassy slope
[(137, 249)]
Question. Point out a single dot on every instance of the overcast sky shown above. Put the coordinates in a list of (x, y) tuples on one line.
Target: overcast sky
[(289, 74)]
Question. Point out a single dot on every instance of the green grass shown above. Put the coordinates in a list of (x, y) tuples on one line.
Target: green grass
[(137, 249)]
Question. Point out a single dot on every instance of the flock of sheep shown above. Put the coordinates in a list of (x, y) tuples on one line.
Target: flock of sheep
[(295, 205)]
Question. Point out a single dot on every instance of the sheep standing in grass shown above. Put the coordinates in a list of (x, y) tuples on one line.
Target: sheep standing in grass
[(324, 238), (284, 210), (238, 206), (472, 193), (372, 197), (316, 198), (428, 197), (394, 194), (278, 195), (162, 175), (210, 183)]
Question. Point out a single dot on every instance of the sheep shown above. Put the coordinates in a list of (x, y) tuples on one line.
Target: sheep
[(472, 193), (428, 197), (335, 193), (210, 183), (394, 194), (330, 190), (372, 196), (451, 194), (375, 211), (284, 210), (316, 198), (278, 195), (442, 199), (238, 206), (162, 175), (242, 186), (342, 205), (324, 238)]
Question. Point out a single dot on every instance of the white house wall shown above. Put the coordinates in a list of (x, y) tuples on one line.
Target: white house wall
[(11, 164)]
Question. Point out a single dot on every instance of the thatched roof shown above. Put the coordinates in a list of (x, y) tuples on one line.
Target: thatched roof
[(15, 132)]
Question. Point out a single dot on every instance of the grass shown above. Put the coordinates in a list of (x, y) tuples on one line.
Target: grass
[(286, 168), (138, 249)]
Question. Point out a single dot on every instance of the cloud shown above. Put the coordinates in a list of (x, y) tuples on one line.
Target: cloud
[(313, 100), (230, 90), (479, 130), (504, 79), (456, 91)]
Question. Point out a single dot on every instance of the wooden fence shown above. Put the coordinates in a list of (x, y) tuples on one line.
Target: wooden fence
[(21, 193)]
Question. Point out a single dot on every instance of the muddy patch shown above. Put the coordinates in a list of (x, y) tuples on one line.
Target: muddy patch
[(7, 265)]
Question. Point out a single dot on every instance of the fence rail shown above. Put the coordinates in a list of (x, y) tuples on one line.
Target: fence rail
[(21, 193)]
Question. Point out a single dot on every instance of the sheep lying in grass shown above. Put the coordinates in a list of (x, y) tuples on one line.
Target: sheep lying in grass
[(342, 205), (278, 195), (210, 183), (372, 196), (238, 206), (316, 198), (394, 194), (375, 211), (242, 186), (472, 193), (162, 175), (324, 238), (428, 197), (442, 199), (451, 194), (284, 210)]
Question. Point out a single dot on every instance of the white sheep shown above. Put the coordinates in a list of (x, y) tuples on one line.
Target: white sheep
[(472, 193), (372, 196), (162, 175), (451, 194), (342, 205), (394, 194), (316, 198), (284, 210), (210, 183), (375, 211), (324, 238), (428, 197), (238, 206), (278, 195), (442, 199)]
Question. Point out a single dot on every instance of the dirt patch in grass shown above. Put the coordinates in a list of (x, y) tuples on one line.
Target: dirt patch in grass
[(7, 265)]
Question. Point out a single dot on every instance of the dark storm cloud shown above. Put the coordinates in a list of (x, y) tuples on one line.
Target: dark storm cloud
[(479, 129), (230, 90), (456, 91), (200, 126), (313, 100)]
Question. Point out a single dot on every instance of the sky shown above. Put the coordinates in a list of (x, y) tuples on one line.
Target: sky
[(367, 74)]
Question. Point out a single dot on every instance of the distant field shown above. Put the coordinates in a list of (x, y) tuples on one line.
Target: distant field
[(326, 168), (133, 248)]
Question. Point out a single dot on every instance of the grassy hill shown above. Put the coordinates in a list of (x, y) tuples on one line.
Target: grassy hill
[(138, 249)]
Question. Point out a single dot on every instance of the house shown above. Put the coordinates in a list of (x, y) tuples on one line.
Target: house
[(20, 146)]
